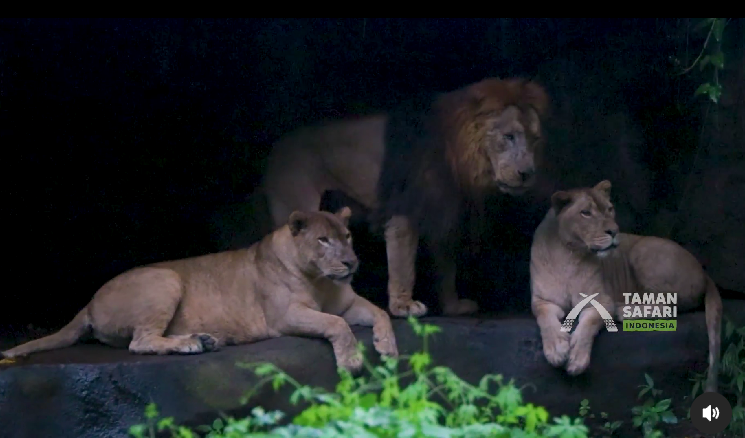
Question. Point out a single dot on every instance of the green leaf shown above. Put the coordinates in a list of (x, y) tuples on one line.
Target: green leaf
[(649, 380), (137, 430), (695, 389), (369, 400), (718, 28), (715, 92), (669, 418), (165, 423), (729, 328), (264, 369), (278, 381), (662, 405), (151, 411), (702, 63), (702, 89), (642, 392), (217, 424), (717, 60)]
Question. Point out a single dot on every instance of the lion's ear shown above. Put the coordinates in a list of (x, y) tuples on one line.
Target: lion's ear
[(603, 187), (344, 214), (298, 221), (559, 200)]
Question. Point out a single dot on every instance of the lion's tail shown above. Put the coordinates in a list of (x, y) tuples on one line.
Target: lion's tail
[(713, 305), (68, 335)]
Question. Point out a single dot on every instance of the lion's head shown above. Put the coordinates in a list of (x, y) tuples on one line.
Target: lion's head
[(495, 133), (586, 219), (324, 244)]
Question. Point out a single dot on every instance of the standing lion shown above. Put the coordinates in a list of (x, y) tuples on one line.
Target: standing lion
[(421, 170)]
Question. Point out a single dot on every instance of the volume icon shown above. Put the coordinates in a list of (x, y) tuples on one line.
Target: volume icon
[(710, 412)]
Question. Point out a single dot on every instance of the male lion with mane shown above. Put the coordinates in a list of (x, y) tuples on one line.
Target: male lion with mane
[(577, 248), (420, 169), (295, 281)]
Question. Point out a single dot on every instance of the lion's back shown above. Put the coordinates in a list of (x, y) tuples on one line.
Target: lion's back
[(221, 295), (661, 263)]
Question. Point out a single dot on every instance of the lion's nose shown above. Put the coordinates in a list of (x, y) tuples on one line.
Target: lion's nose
[(612, 232), (351, 264), (526, 174)]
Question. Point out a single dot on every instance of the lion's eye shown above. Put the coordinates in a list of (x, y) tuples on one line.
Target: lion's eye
[(347, 236), (610, 209), (324, 240), (585, 213), (509, 137)]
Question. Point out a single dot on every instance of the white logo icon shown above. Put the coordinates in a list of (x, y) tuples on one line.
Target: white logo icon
[(710, 412), (572, 316)]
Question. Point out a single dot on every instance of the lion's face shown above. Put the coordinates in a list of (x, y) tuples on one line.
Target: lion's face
[(510, 145), (324, 243), (587, 220)]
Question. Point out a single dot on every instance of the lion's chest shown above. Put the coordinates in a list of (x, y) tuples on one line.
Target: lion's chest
[(580, 281)]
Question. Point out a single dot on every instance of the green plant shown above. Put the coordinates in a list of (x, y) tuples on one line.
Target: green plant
[(379, 406), (606, 429), (711, 55), (731, 374), (648, 415)]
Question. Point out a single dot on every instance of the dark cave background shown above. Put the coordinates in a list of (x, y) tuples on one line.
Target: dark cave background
[(130, 141)]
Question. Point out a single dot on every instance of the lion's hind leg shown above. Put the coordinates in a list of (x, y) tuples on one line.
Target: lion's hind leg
[(143, 302)]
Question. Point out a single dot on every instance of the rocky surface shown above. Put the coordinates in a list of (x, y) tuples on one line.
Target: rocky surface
[(92, 390)]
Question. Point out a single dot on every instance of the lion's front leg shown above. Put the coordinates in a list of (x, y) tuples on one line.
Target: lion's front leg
[(555, 342), (363, 312), (401, 242), (304, 321), (580, 344), (447, 293)]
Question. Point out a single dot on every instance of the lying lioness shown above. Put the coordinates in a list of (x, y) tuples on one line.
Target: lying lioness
[(295, 281), (577, 252)]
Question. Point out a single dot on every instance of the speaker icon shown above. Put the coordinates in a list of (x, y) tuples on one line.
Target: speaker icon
[(713, 412), (710, 412)]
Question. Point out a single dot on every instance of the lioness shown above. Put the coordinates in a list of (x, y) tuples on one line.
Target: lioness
[(295, 281), (577, 248)]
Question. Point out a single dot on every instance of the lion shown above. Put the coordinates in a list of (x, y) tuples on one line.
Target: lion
[(295, 281), (420, 169), (577, 251)]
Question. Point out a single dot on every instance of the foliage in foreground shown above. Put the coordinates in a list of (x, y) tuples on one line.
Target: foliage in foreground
[(378, 406), (731, 374)]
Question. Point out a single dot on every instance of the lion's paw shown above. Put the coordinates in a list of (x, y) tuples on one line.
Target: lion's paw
[(207, 341), (556, 348), (386, 346), (351, 362), (403, 309), (461, 307), (579, 358)]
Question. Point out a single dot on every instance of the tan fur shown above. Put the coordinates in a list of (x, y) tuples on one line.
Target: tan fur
[(578, 249), (479, 120), (296, 281)]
